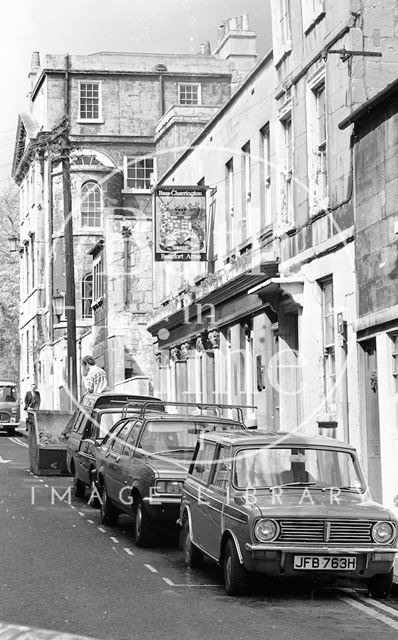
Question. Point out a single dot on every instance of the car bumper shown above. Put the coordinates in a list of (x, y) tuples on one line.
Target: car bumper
[(163, 509), (279, 561), (7, 426)]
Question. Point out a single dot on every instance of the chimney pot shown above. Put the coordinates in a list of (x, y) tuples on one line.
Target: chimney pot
[(205, 48), (245, 22), (35, 63), (233, 24)]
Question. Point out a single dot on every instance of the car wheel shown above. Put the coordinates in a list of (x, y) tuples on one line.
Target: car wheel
[(108, 513), (193, 557), (381, 585), (79, 488), (143, 532), (236, 579)]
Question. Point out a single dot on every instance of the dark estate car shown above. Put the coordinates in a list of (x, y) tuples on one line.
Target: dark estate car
[(285, 504), (95, 417), (142, 464)]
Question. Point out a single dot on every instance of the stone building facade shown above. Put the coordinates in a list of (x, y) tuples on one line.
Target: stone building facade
[(376, 260), (280, 326), (112, 103)]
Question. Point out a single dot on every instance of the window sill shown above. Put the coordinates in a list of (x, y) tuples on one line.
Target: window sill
[(313, 21), (286, 49), (146, 192), (88, 121)]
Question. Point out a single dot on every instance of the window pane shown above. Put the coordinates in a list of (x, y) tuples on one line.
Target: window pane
[(139, 171)]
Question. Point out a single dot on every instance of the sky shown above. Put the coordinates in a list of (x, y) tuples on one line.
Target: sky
[(87, 26)]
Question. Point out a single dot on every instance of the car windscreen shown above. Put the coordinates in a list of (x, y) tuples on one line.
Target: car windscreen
[(164, 437), (295, 466), (8, 393)]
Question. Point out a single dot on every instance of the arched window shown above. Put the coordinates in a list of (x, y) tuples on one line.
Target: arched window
[(91, 205), (87, 295)]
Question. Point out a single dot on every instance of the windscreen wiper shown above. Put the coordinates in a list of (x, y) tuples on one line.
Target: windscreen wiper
[(293, 484)]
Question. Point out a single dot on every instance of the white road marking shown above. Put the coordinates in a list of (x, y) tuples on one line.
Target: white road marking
[(3, 461), (21, 444), (379, 605), (169, 582), (72, 506), (128, 551), (198, 585), (81, 513), (114, 539), (46, 485), (370, 612), (90, 521), (102, 530), (151, 568)]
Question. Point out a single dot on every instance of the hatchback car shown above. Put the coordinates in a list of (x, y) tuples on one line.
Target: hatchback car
[(141, 466), (285, 504), (95, 417)]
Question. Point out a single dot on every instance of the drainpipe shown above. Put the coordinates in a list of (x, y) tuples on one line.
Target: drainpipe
[(50, 244), (126, 233)]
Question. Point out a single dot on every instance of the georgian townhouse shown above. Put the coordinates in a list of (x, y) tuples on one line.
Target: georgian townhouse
[(110, 103), (271, 319)]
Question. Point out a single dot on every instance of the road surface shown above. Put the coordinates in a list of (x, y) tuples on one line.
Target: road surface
[(60, 569)]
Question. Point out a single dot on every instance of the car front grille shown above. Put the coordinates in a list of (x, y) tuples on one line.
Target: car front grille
[(4, 416), (321, 531)]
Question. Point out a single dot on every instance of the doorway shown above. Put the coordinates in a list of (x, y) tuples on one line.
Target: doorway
[(371, 416)]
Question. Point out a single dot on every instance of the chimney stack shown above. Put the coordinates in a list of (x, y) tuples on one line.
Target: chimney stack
[(34, 68), (205, 48), (237, 45)]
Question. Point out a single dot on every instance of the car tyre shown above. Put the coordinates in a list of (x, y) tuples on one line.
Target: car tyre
[(79, 488), (380, 586), (142, 526), (193, 557), (236, 578), (108, 513)]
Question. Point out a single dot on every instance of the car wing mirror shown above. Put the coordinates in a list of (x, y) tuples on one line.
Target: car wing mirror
[(200, 468)]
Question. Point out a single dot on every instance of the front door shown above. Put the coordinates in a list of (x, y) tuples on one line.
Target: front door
[(372, 423)]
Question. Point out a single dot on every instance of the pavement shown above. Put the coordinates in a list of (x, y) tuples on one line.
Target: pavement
[(21, 432)]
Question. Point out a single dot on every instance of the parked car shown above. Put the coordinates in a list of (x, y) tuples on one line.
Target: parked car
[(95, 417), (284, 504), (9, 406), (141, 466)]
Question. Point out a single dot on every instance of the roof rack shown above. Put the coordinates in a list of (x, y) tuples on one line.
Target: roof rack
[(158, 405), (202, 406)]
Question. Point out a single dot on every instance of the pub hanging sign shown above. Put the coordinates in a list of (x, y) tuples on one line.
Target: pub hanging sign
[(180, 223)]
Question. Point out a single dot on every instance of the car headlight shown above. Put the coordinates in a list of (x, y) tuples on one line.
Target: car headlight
[(13, 410), (383, 532), (266, 530), (169, 486)]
